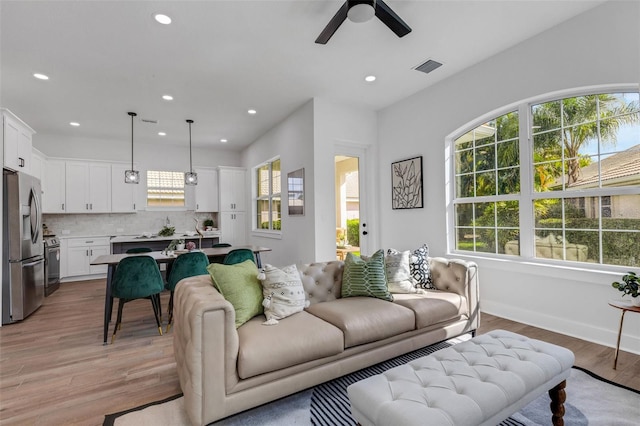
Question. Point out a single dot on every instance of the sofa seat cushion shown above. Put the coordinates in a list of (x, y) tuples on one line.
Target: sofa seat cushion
[(296, 339), (433, 307), (365, 319)]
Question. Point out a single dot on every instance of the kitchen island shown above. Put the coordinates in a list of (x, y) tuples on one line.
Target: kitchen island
[(121, 244)]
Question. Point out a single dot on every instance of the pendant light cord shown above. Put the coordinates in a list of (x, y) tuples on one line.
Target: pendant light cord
[(132, 114), (190, 155)]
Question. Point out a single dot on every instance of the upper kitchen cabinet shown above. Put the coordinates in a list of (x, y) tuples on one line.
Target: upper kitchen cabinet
[(88, 187), (17, 137), (207, 190), (53, 195), (37, 165), (123, 195), (232, 189)]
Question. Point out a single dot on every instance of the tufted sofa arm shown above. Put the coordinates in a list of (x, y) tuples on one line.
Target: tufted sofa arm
[(203, 319), (460, 277)]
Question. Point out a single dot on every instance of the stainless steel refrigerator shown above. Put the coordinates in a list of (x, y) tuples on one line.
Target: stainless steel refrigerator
[(22, 247)]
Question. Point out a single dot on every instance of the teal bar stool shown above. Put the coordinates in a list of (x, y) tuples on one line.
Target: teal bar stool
[(239, 256), (186, 265), (137, 277)]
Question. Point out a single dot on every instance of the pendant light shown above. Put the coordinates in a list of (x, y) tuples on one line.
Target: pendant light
[(132, 176), (190, 178)]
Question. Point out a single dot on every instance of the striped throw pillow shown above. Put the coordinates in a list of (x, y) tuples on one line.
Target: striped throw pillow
[(365, 277)]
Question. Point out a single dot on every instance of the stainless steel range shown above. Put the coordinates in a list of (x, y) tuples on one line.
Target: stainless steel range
[(51, 264)]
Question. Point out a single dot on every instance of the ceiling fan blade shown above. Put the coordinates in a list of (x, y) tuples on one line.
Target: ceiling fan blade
[(391, 20), (333, 25)]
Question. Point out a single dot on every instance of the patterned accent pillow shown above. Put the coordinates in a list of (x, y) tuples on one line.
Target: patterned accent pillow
[(420, 270), (283, 293), (399, 279), (239, 285), (365, 277), (419, 267)]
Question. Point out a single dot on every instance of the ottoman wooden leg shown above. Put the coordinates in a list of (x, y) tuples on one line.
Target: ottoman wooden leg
[(558, 397)]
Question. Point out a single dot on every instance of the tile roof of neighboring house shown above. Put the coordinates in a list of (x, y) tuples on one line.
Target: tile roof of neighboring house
[(625, 164)]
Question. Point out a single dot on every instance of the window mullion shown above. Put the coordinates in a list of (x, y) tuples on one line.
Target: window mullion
[(527, 222)]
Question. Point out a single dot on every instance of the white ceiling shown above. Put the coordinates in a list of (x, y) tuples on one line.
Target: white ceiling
[(220, 58)]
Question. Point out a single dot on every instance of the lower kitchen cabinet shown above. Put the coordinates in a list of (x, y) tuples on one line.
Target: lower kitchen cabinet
[(233, 226), (76, 255)]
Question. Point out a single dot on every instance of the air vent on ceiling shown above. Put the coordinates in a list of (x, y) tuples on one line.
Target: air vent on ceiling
[(428, 66), (146, 120)]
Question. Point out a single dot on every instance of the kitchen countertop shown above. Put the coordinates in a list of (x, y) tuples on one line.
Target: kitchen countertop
[(136, 238)]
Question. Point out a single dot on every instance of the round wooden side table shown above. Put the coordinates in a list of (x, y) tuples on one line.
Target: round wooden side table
[(624, 307)]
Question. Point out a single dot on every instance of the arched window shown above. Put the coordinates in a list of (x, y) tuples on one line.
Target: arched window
[(557, 179)]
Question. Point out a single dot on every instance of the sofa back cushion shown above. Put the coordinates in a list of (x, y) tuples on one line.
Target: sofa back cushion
[(322, 281)]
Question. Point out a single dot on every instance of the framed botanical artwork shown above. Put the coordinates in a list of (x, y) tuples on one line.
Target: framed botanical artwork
[(295, 188), (406, 184)]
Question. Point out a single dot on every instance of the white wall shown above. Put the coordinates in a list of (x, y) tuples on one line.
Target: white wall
[(308, 138), (292, 141), (599, 47)]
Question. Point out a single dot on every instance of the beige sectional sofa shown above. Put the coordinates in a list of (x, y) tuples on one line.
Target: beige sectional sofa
[(224, 370)]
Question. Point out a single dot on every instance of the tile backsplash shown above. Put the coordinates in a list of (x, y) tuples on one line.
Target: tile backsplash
[(123, 223)]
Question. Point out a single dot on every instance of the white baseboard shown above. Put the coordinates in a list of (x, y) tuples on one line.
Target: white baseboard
[(599, 335)]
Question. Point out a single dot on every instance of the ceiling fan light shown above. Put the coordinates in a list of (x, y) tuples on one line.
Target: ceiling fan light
[(361, 12)]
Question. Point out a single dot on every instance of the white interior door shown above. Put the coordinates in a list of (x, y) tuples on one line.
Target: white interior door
[(351, 202)]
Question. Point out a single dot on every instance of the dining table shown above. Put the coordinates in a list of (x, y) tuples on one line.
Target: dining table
[(215, 255)]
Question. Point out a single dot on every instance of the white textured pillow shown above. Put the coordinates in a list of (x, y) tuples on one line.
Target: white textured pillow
[(282, 291), (398, 272)]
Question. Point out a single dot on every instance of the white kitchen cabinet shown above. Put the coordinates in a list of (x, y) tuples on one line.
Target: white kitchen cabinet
[(87, 187), (53, 187), (37, 165), (17, 140), (76, 255), (232, 189), (123, 195), (206, 191), (233, 227)]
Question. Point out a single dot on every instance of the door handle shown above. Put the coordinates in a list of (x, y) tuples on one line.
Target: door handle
[(364, 232), (91, 206), (62, 206)]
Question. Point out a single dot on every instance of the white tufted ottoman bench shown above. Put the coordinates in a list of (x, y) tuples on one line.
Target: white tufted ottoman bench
[(478, 382)]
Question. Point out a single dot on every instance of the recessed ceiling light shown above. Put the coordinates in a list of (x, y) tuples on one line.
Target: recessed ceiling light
[(252, 111), (163, 19), (167, 97), (370, 78), (74, 124), (41, 76), (224, 140), (162, 134)]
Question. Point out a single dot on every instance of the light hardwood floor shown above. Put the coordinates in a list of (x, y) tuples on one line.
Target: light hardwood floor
[(54, 369)]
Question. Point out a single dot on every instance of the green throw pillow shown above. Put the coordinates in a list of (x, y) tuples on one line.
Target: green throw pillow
[(239, 285), (365, 277)]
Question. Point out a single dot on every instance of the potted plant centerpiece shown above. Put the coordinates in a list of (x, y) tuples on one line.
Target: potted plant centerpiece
[(629, 285), (208, 224)]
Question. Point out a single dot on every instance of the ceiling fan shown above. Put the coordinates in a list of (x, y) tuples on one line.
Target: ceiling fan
[(362, 11)]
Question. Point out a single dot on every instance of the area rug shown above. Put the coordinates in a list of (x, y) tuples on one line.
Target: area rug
[(591, 400)]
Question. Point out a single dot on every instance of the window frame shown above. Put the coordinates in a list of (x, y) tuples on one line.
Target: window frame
[(264, 232), (184, 207), (527, 194)]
